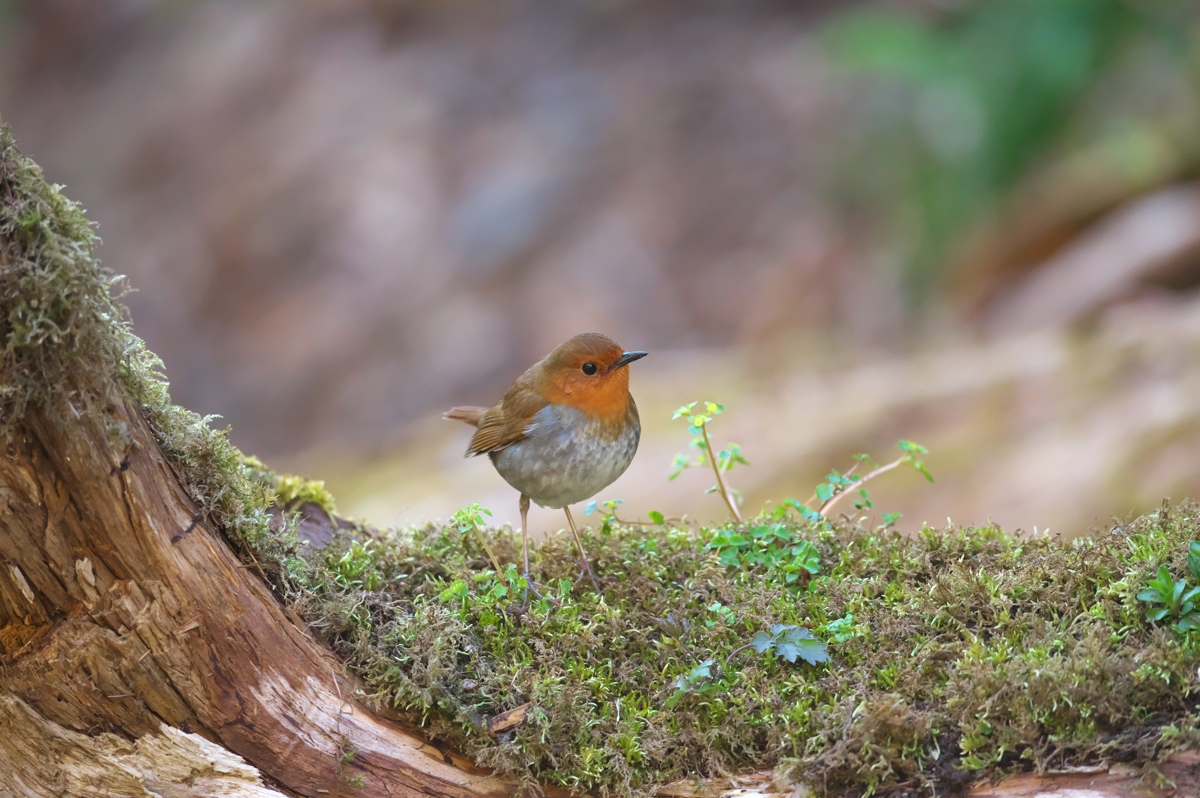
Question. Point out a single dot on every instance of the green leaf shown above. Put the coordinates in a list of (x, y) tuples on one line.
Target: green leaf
[(811, 651), (1177, 592), (762, 641), (457, 589), (1193, 558), (701, 672), (683, 411), (657, 517)]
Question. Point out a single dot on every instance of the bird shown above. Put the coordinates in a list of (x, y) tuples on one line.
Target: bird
[(564, 431)]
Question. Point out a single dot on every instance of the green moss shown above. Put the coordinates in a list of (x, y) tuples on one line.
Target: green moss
[(962, 652), (58, 317)]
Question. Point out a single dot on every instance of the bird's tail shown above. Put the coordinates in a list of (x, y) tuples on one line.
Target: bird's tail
[(471, 415)]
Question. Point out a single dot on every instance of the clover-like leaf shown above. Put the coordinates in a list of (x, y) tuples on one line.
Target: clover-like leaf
[(800, 642), (683, 411)]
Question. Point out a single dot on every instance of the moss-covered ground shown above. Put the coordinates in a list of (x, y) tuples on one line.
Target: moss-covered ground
[(958, 653)]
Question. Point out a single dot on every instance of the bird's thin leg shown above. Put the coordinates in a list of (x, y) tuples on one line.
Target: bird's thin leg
[(524, 505), (587, 568), (525, 533)]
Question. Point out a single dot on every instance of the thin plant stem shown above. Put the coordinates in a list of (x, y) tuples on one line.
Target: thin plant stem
[(724, 490), (488, 549), (883, 469), (737, 650), (849, 472)]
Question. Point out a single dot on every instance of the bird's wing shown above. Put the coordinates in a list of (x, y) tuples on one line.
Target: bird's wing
[(494, 433), (509, 421)]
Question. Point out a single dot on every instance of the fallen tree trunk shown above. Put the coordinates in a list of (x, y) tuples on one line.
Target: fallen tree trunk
[(139, 655), (123, 613)]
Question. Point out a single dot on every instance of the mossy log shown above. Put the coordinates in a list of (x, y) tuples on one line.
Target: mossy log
[(139, 653), (123, 612)]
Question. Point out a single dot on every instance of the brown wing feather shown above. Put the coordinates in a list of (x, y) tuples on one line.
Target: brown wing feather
[(495, 432), (507, 422), (470, 415)]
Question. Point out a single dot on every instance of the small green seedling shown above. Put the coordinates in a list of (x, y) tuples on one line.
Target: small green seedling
[(470, 519), (770, 546), (611, 517), (841, 629), (355, 567), (698, 680), (1175, 601), (722, 462)]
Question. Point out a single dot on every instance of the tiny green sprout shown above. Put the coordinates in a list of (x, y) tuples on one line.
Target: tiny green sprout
[(841, 629), (698, 679), (355, 567), (610, 516), (721, 463), (726, 614), (1172, 601), (775, 548), (457, 589), (610, 506), (470, 519)]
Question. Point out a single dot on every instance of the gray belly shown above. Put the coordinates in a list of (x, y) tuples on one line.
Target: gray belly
[(565, 458)]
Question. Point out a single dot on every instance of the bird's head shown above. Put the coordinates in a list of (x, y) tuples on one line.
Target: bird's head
[(589, 372)]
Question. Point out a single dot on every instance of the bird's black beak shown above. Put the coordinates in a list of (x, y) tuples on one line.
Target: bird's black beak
[(627, 358)]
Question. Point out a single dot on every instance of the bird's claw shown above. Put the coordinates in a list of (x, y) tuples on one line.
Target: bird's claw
[(585, 570), (530, 587)]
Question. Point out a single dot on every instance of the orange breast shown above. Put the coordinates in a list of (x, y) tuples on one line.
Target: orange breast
[(605, 398)]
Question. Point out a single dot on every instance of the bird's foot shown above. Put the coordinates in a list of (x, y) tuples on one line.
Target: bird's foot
[(586, 570), (531, 587)]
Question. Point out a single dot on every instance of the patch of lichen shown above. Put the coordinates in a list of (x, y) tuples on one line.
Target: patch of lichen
[(960, 653)]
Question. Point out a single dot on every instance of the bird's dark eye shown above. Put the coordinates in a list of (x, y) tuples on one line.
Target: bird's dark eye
[(589, 369)]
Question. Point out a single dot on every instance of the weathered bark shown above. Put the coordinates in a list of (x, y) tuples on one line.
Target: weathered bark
[(118, 613)]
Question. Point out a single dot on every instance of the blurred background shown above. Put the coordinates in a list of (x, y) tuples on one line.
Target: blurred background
[(975, 225)]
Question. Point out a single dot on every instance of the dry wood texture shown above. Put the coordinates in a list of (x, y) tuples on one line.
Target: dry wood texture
[(119, 614)]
